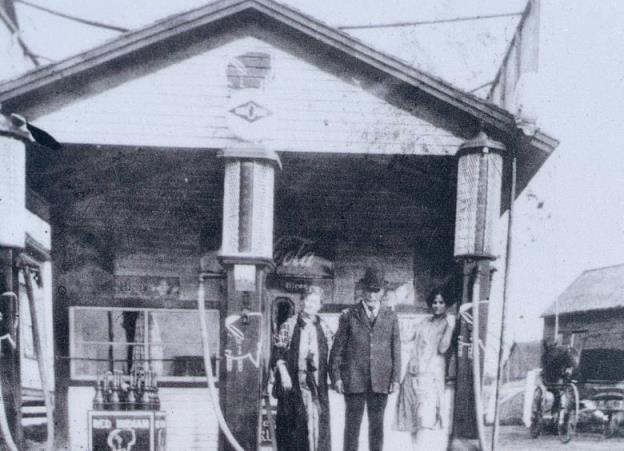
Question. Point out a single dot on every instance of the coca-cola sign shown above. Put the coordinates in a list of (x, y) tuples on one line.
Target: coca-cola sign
[(293, 251), (296, 256)]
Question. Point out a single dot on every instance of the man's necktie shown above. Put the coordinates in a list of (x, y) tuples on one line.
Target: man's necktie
[(371, 316)]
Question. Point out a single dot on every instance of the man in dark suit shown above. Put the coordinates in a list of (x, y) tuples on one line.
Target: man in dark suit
[(365, 361)]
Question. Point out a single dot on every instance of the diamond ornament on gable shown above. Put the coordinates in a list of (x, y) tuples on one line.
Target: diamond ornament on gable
[(248, 110)]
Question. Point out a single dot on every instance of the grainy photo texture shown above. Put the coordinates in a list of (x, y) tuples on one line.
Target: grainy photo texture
[(305, 225)]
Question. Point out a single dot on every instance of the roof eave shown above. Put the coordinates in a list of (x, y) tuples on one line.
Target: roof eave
[(544, 142), (580, 311), (485, 112)]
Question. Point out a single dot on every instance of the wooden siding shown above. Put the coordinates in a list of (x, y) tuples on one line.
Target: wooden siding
[(597, 329), (185, 105), (396, 211)]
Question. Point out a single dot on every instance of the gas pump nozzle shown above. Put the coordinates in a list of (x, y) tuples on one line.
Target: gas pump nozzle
[(27, 263)]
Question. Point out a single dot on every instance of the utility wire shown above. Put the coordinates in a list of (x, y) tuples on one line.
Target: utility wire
[(15, 30), (93, 23), (480, 87), (423, 22)]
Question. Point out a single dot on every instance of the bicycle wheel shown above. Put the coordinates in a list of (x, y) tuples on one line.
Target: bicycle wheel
[(535, 428), (568, 413)]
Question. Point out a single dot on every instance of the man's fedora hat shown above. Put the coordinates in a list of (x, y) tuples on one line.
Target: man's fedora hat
[(373, 280)]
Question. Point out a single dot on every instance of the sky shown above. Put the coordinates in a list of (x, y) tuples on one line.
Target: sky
[(571, 216), (581, 222)]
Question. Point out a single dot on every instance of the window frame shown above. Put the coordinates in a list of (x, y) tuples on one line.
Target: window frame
[(73, 343)]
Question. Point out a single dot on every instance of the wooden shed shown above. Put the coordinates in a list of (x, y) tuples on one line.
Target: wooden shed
[(589, 311)]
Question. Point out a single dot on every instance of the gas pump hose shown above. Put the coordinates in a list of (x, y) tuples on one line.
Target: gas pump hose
[(43, 371), (208, 365), (4, 423), (476, 363)]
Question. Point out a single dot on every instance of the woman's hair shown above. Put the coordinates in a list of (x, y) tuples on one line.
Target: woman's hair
[(312, 289), (436, 292)]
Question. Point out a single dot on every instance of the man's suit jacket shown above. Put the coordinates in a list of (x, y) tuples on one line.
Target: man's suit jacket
[(366, 357)]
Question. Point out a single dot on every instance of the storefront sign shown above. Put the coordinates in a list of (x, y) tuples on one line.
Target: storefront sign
[(147, 287), (293, 251), (290, 285), (127, 431), (295, 256)]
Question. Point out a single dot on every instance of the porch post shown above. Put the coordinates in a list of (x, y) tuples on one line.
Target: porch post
[(246, 254), (12, 238)]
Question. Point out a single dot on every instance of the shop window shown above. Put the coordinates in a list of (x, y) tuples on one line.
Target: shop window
[(167, 341)]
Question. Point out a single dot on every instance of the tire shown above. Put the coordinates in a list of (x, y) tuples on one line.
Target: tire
[(535, 428), (610, 427), (564, 428), (566, 424)]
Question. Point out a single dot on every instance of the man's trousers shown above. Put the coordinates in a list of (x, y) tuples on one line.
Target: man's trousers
[(354, 410)]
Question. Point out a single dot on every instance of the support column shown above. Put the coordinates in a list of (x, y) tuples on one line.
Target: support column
[(12, 238), (247, 256)]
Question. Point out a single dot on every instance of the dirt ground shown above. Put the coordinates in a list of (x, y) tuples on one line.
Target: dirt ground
[(512, 438), (516, 438)]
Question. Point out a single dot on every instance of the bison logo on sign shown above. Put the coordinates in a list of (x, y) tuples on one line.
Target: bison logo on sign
[(121, 439)]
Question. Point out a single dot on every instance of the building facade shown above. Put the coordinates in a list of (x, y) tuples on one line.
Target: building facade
[(364, 173)]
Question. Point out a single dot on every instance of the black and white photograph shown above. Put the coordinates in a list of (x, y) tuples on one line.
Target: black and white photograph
[(311, 225)]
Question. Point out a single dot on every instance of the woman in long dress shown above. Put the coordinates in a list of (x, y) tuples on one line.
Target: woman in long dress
[(301, 361), (420, 402)]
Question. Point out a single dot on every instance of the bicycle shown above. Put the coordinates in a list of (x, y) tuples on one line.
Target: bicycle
[(556, 406)]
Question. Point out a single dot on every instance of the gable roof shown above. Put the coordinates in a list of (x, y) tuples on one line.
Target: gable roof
[(29, 93), (594, 289)]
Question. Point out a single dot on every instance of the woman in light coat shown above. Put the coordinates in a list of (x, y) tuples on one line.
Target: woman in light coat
[(420, 402)]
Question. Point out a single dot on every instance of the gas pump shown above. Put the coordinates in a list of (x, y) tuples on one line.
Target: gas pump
[(13, 136), (479, 191)]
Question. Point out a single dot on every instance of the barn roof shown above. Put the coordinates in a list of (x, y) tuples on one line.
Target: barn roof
[(594, 289)]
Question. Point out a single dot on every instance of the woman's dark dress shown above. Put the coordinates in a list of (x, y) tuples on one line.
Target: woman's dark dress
[(291, 428)]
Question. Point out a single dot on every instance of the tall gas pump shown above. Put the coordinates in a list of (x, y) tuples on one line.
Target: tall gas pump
[(479, 185), (247, 256), (13, 137)]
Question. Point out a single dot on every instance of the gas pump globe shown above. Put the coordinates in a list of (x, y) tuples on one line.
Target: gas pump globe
[(479, 182), (12, 183)]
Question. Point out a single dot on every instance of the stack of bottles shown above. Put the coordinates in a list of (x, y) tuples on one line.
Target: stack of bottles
[(135, 391)]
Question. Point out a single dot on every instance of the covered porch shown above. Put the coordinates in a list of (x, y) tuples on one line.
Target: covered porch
[(136, 192)]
